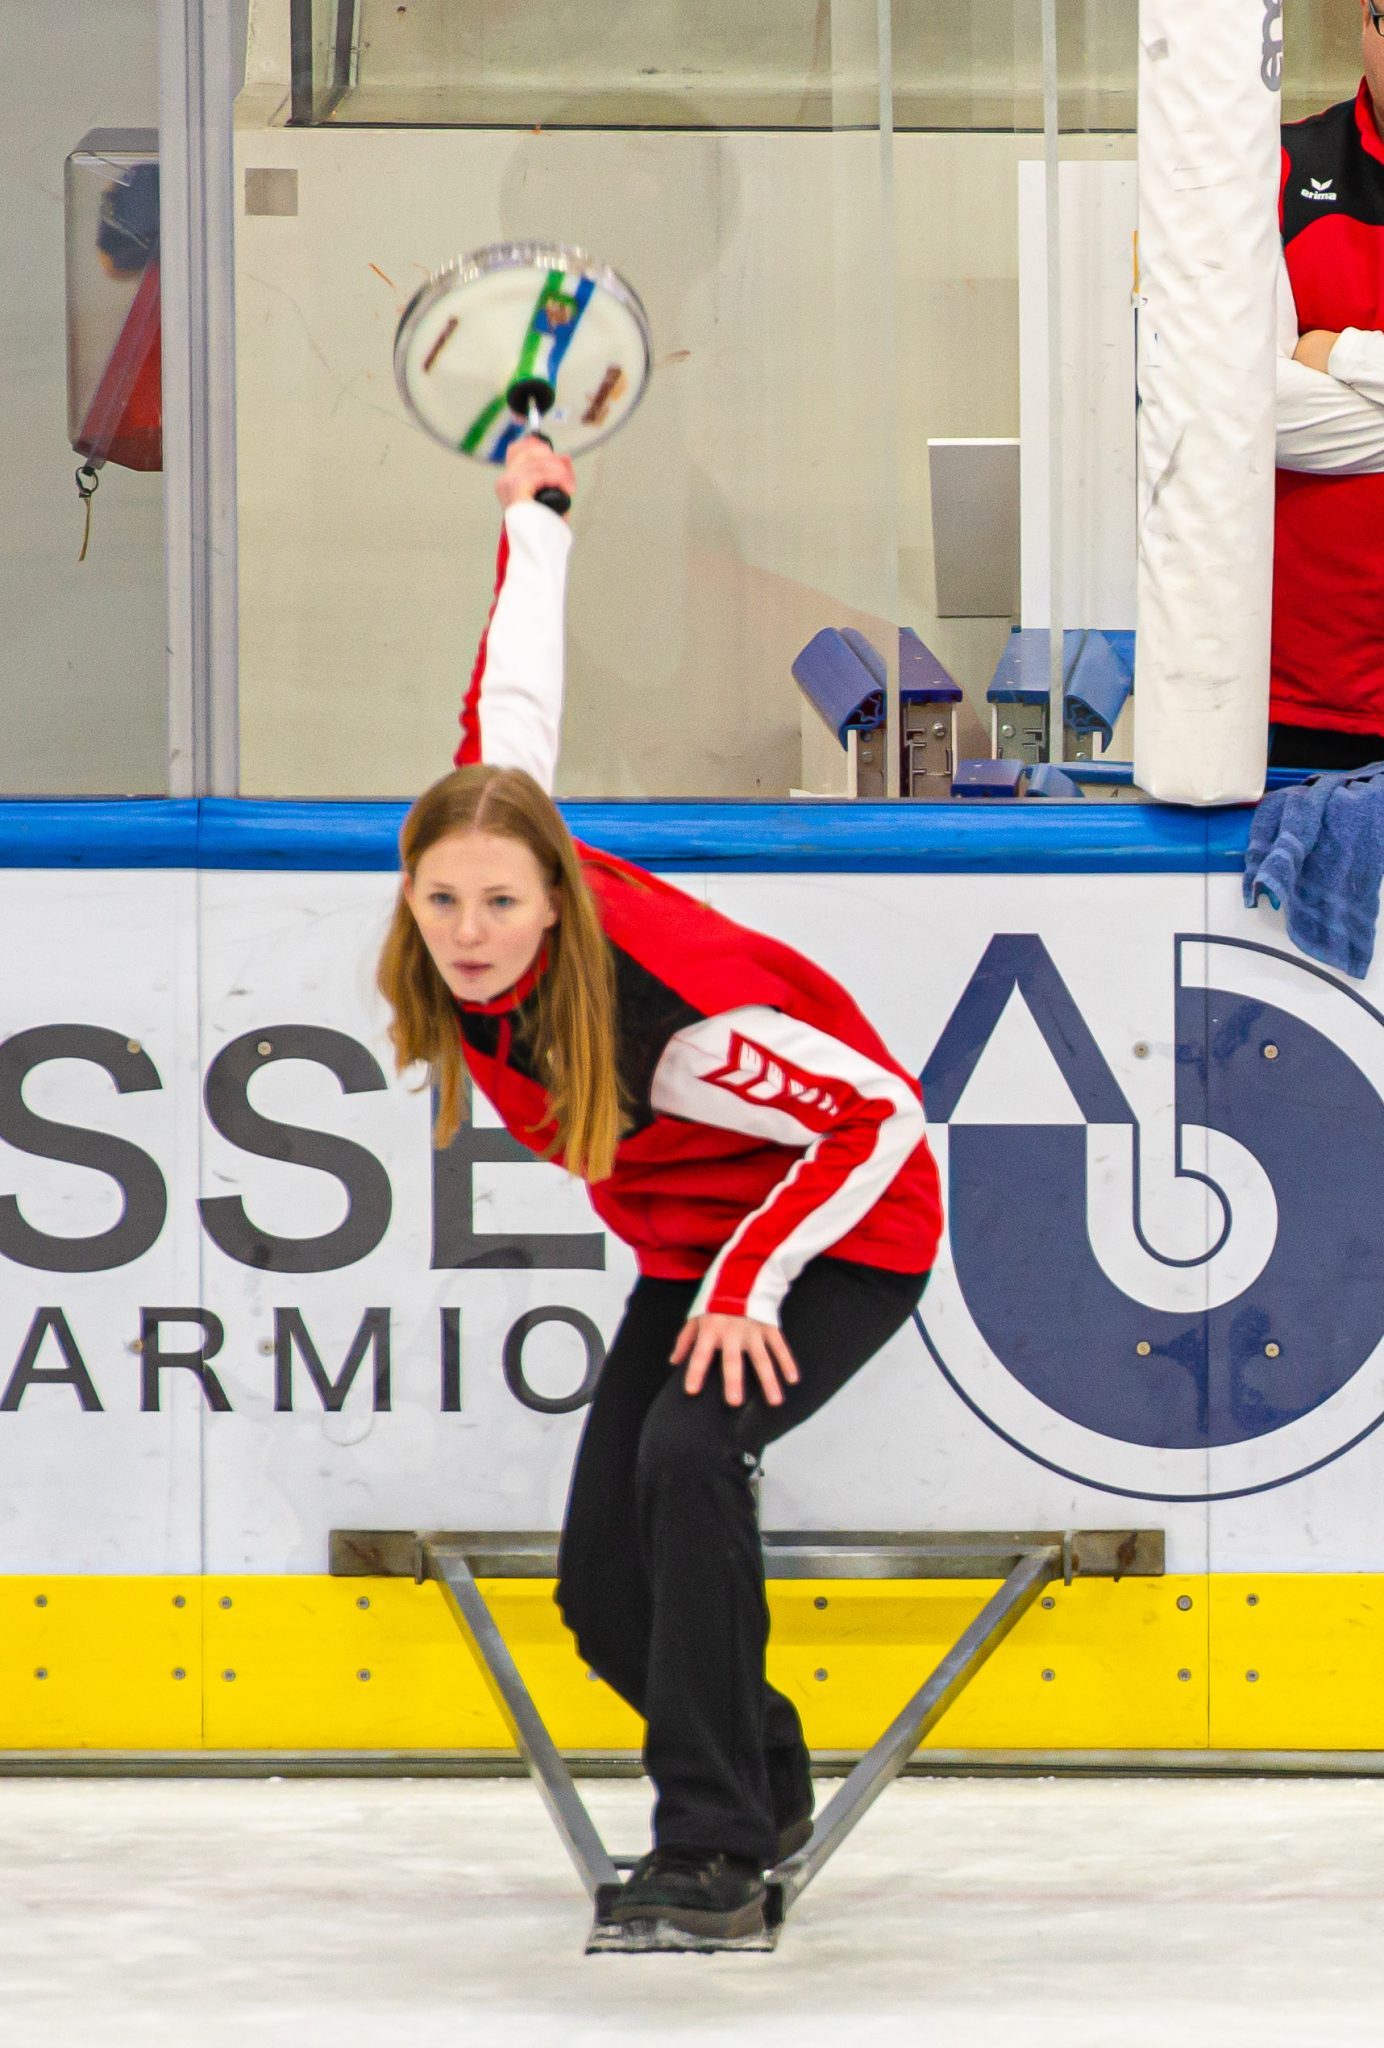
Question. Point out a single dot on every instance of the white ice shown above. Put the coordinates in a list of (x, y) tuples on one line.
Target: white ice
[(1019, 1913)]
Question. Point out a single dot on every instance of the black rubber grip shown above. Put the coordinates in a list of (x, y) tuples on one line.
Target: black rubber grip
[(555, 500)]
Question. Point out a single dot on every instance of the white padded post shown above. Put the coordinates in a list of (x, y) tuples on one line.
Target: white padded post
[(1208, 250)]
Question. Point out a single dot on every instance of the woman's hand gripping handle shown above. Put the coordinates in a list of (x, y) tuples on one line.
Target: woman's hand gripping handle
[(531, 469)]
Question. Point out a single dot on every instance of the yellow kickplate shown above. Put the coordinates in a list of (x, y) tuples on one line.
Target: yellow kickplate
[(317, 1663), (96, 1663), (1299, 1661), (1091, 1666)]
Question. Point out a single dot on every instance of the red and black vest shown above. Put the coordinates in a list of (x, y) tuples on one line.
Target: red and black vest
[(1328, 604)]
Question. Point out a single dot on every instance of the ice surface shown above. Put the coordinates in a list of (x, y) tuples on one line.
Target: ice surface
[(1019, 1913)]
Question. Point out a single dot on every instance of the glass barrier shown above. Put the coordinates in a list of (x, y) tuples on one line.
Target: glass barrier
[(81, 554), (823, 556), (1321, 56)]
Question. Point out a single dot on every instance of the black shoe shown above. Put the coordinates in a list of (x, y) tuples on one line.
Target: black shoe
[(793, 1835), (695, 1890)]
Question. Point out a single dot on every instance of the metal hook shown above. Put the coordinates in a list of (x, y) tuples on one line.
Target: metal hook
[(88, 477)]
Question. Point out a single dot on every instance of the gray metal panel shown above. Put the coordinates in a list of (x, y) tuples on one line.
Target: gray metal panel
[(788, 1553), (826, 1763), (197, 75), (975, 527)]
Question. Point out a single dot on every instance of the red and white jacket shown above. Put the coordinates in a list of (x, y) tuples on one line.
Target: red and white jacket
[(769, 1123), (1328, 606)]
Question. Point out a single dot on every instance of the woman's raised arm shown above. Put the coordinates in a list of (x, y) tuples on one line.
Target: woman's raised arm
[(512, 713)]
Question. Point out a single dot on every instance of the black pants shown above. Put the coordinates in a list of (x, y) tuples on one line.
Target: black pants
[(660, 1571), (1310, 746)]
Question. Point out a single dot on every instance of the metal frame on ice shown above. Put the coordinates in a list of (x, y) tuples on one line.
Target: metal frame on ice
[(1025, 1562)]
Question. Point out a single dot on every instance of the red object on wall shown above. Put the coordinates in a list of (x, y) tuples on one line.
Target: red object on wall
[(124, 422)]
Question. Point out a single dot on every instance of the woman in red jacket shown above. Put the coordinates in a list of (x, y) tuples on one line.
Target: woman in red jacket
[(742, 1127)]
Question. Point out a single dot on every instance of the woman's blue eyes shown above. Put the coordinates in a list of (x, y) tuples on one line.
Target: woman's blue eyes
[(440, 898)]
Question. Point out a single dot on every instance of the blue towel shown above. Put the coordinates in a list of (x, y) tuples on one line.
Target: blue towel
[(1316, 850)]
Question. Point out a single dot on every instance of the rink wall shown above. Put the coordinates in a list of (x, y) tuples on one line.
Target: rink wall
[(242, 1302)]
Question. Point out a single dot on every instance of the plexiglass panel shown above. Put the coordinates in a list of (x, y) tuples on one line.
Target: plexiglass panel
[(837, 218), (663, 63), (82, 656)]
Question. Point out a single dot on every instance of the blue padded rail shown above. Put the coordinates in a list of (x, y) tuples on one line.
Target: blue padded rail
[(822, 835)]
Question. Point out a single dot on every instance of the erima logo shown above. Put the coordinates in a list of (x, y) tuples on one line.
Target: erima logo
[(1321, 190), (764, 1077)]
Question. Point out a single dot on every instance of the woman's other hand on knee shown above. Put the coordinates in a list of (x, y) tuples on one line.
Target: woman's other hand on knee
[(736, 1339)]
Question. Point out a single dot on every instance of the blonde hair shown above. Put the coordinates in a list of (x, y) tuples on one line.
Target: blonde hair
[(572, 1042)]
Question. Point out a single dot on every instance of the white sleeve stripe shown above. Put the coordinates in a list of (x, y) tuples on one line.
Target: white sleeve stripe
[(774, 1077), (520, 709), (826, 1223)]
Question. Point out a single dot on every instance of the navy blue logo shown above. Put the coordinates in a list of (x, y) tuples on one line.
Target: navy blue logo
[(1239, 1367)]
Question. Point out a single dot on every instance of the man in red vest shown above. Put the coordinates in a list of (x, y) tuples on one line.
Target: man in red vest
[(1327, 702)]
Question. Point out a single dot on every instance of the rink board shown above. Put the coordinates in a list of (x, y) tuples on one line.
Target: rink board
[(241, 1303)]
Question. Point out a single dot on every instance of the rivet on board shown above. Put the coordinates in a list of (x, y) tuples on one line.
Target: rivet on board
[(1184, 1601), (362, 1675), (179, 1600), (1006, 732), (1048, 1676), (178, 1671), (1143, 1347), (133, 1045), (1141, 1050), (1271, 1350), (1184, 1675), (40, 1599), (265, 1347), (819, 1674), (138, 1344), (820, 1601), (363, 1601), (1251, 1599), (1048, 1601), (593, 1677), (1252, 1676), (228, 1676), (225, 1600), (1271, 1052), (264, 1048)]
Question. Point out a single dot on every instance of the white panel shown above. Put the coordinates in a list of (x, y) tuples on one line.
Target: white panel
[(1024, 1399), (1327, 1519), (302, 947), (1208, 256), (119, 1489), (906, 1444)]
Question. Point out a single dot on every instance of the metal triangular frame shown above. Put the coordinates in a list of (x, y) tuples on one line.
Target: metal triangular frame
[(1025, 1563)]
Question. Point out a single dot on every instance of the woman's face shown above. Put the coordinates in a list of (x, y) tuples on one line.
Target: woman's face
[(482, 906)]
